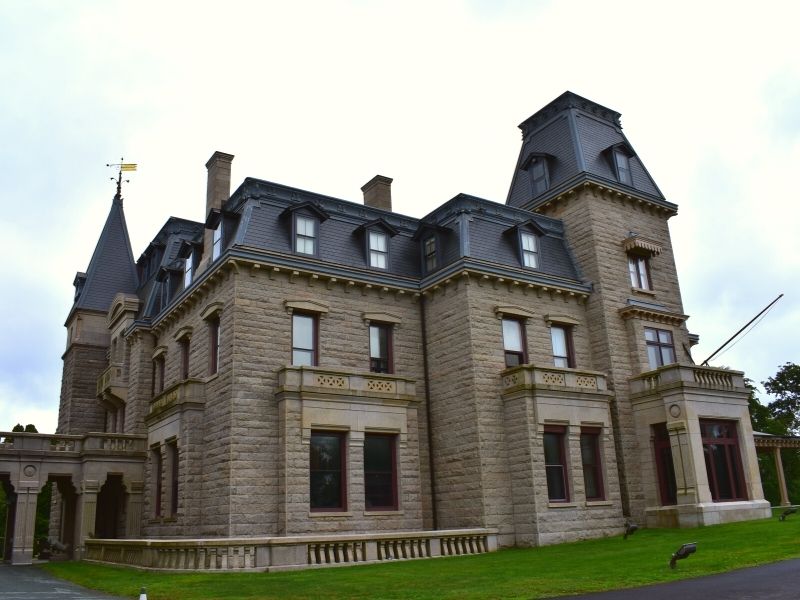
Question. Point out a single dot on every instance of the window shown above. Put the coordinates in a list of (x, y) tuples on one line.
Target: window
[(539, 176), (213, 344), (327, 471), (639, 268), (158, 474), (590, 459), (660, 349), (563, 352), (555, 463), (378, 250), (723, 460), (172, 453), (514, 342), (530, 249), (188, 268), (380, 348), (429, 250), (184, 345), (216, 244), (667, 488), (380, 474), (623, 167), (305, 235), (158, 374), (304, 340)]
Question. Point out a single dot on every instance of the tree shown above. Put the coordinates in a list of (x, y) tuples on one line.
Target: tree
[(785, 386)]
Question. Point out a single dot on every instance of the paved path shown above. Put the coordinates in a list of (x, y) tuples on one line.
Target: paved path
[(31, 583), (776, 581)]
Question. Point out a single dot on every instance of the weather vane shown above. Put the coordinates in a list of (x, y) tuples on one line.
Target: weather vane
[(123, 166)]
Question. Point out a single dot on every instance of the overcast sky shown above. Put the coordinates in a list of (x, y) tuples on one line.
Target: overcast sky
[(323, 96)]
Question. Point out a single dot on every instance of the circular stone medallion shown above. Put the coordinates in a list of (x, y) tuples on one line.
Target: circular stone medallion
[(675, 411)]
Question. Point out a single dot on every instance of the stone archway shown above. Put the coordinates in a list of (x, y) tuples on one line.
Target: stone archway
[(11, 504), (63, 513), (110, 515)]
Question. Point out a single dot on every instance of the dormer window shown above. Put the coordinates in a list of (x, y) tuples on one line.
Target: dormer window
[(530, 249), (216, 244), (429, 251), (378, 250), (188, 269), (305, 235), (540, 181), (623, 166)]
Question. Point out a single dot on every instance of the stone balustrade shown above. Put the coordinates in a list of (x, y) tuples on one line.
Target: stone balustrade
[(554, 377), (285, 553), (34, 444), (706, 378), (113, 379), (190, 391), (343, 382)]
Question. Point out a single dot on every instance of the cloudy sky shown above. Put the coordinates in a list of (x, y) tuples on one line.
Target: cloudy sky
[(324, 95)]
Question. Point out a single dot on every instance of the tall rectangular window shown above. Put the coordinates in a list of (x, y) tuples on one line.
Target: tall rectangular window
[(184, 345), (188, 267), (380, 472), (639, 270), (429, 250), (665, 469), (213, 344), (660, 348), (158, 374), (380, 348), (538, 175), (530, 250), (592, 466), (555, 463), (216, 244), (563, 352), (723, 460), (327, 473), (622, 163), (378, 250), (514, 342), (305, 235), (304, 340), (158, 474), (172, 451)]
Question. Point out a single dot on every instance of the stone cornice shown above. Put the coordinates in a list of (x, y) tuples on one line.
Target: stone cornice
[(649, 314), (605, 190)]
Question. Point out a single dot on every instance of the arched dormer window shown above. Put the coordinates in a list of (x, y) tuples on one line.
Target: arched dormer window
[(306, 218), (620, 157), (537, 165), (526, 237)]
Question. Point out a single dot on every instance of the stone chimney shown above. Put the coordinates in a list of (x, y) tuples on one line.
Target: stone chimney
[(219, 180), (218, 191), (378, 192)]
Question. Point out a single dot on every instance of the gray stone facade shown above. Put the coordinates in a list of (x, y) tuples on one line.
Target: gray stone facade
[(554, 449)]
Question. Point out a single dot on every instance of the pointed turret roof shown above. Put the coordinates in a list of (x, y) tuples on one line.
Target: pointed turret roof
[(111, 269), (576, 140)]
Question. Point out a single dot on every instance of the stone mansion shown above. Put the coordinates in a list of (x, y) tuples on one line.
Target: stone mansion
[(303, 380)]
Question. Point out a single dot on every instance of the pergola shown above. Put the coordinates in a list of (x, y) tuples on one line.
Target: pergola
[(767, 442)]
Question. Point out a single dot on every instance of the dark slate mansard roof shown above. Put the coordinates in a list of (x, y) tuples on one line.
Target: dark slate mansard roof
[(576, 135)]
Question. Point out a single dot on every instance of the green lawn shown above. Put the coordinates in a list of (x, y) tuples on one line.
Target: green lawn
[(588, 566)]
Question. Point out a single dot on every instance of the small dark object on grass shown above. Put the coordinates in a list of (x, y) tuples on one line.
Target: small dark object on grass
[(786, 513), (683, 552), (630, 529)]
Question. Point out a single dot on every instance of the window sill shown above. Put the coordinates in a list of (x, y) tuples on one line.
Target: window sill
[(382, 513), (562, 505), (643, 292), (211, 378), (591, 503), (342, 514)]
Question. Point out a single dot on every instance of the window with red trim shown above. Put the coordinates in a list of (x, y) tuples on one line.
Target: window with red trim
[(158, 474), (667, 487), (592, 465), (380, 348), (723, 460), (555, 462), (380, 471), (514, 342), (304, 340), (213, 344), (327, 474)]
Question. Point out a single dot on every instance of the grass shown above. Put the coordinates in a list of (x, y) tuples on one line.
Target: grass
[(589, 566)]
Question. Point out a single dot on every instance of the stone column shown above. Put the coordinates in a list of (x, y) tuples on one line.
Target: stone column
[(686, 469), (86, 515), (133, 513), (781, 477), (24, 523)]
